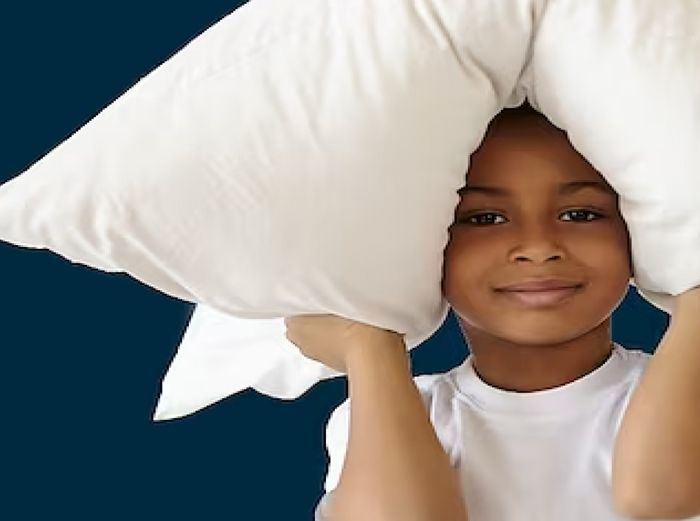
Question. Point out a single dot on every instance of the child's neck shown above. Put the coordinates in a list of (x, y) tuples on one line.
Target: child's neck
[(527, 368)]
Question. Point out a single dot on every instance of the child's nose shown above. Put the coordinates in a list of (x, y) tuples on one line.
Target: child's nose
[(537, 246), (538, 257)]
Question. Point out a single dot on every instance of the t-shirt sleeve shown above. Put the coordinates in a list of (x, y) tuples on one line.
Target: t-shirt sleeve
[(437, 399)]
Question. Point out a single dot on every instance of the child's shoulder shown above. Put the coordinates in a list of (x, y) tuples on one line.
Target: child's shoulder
[(628, 365), (633, 362), (439, 389), (633, 356)]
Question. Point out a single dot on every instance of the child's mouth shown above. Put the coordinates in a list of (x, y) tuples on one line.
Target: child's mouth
[(540, 293)]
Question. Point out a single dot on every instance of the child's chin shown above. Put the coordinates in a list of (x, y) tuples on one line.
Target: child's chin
[(546, 334)]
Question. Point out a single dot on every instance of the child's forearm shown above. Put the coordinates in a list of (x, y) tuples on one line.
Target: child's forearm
[(656, 471), (395, 467)]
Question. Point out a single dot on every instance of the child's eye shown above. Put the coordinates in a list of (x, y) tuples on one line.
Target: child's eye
[(483, 219), (581, 215)]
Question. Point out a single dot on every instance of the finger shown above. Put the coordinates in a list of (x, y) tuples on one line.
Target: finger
[(290, 337)]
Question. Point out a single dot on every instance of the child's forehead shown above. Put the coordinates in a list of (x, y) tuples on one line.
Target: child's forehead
[(528, 139), (533, 142), (525, 130), (524, 126), (522, 146), (537, 158)]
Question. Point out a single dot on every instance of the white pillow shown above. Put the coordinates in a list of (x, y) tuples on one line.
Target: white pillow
[(298, 157), (221, 355), (623, 78)]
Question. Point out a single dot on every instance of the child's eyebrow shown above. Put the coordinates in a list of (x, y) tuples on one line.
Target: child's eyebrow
[(576, 186), (564, 188)]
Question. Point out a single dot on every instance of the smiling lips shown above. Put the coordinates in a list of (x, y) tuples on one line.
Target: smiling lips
[(540, 293)]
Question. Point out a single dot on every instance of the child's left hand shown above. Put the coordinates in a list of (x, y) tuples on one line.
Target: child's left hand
[(332, 340)]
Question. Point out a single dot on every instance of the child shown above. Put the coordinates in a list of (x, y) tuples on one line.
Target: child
[(530, 427)]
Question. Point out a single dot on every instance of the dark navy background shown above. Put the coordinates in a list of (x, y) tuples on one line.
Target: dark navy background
[(83, 352)]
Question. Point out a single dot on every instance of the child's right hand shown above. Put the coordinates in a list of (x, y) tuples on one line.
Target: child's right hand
[(333, 340)]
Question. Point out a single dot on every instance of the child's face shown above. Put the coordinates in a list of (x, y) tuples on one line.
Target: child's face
[(533, 208)]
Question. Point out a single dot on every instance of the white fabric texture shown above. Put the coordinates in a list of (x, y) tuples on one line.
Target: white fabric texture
[(623, 78), (540, 456), (304, 157), (220, 355), (256, 170)]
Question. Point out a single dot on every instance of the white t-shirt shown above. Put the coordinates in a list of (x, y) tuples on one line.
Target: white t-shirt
[(539, 456)]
